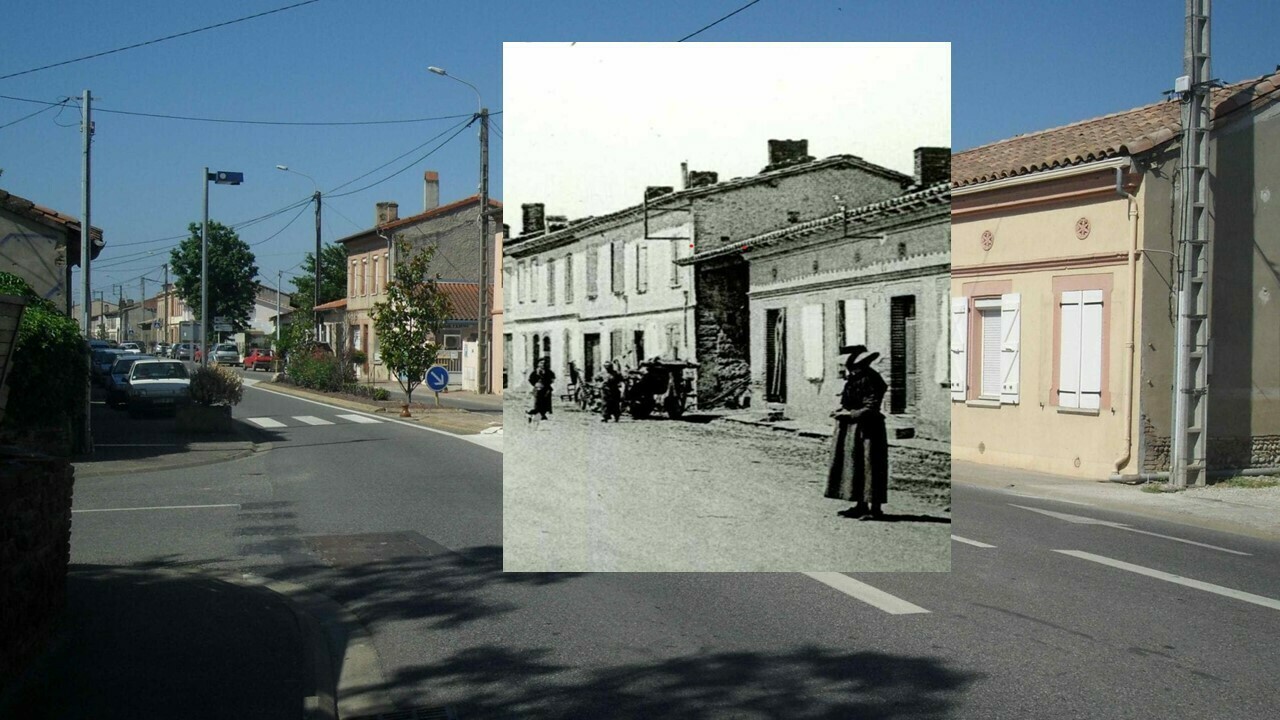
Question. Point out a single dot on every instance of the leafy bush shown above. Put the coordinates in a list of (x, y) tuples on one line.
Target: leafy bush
[(370, 391), (47, 381), (319, 372), (358, 357), (216, 386)]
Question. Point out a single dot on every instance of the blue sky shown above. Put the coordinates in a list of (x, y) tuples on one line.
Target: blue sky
[(1016, 67)]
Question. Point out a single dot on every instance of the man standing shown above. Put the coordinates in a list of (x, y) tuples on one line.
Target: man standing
[(861, 446), (612, 393), (542, 380)]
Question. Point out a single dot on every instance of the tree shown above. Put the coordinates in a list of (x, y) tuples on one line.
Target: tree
[(232, 270), (409, 322), (333, 278)]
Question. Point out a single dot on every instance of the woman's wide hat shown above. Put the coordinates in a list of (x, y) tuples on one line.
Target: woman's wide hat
[(858, 355)]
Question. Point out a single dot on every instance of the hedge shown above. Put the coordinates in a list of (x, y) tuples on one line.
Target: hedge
[(48, 377)]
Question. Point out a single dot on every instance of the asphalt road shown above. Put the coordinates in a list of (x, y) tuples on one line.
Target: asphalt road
[(404, 527)]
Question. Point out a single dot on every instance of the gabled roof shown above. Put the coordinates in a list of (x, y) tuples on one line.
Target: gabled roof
[(55, 220), (339, 304), (421, 217), (867, 218), (464, 299), (1131, 132), (532, 243)]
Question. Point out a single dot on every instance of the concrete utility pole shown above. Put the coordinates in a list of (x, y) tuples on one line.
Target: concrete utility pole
[(166, 304), (143, 306), (86, 253), (279, 277), (316, 299), (204, 274), (485, 241), (1188, 462)]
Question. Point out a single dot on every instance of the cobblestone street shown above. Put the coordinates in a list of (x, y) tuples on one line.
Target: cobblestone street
[(660, 495)]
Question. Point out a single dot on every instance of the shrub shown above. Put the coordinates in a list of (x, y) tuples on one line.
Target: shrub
[(216, 386), (370, 391), (47, 380), (319, 372), (358, 357)]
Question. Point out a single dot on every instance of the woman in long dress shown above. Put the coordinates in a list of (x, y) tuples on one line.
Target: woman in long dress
[(542, 380), (861, 447)]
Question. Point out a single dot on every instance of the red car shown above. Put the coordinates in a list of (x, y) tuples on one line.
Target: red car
[(258, 359)]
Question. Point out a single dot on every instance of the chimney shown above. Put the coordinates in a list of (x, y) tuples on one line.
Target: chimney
[(702, 178), (556, 223), (534, 218), (430, 190), (933, 165), (387, 212), (787, 152), (652, 192), (684, 176)]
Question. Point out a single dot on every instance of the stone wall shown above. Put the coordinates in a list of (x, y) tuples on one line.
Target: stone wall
[(723, 335), (35, 550), (1225, 453)]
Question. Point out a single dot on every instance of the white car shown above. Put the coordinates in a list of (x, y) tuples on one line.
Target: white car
[(130, 347), (158, 385)]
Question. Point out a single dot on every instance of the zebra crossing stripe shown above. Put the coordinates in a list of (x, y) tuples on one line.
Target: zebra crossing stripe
[(360, 419), (312, 420), (266, 422)]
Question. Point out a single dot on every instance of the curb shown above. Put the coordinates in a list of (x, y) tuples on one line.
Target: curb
[(443, 426), (85, 469)]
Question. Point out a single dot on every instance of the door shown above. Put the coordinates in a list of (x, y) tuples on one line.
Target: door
[(590, 355), (775, 353), (903, 382)]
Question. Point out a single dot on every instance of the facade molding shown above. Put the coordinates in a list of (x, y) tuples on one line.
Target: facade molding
[(1026, 266)]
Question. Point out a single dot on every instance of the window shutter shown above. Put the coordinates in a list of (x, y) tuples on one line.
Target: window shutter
[(619, 278), (551, 282), (593, 271), (568, 278), (642, 268), (533, 281), (941, 360), (811, 322), (855, 322), (1090, 349), (959, 338), (1010, 328), (1069, 351)]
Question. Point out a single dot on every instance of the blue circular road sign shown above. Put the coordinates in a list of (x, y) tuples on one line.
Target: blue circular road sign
[(437, 378)]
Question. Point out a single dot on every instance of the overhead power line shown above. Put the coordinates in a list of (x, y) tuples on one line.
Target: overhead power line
[(158, 40), (50, 106), (708, 27), (429, 153)]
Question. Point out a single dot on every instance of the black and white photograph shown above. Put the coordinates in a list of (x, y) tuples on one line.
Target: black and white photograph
[(725, 309)]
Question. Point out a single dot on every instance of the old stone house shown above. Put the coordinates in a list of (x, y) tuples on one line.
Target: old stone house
[(41, 246)]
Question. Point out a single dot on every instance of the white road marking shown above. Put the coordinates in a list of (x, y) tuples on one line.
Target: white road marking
[(967, 541), (1081, 520), (1177, 579), (136, 445), (266, 422), (867, 594), (1041, 497), (363, 419), (312, 420), (158, 507)]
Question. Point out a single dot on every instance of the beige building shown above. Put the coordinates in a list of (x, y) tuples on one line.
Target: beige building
[(1062, 336)]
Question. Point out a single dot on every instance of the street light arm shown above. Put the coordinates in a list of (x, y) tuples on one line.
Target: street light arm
[(443, 73)]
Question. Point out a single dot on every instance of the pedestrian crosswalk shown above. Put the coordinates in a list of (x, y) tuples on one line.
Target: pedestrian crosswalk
[(273, 423)]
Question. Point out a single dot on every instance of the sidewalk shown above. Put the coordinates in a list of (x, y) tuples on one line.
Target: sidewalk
[(142, 641), (1254, 512), (461, 399), (452, 419)]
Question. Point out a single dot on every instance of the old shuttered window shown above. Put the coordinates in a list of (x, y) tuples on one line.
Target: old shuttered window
[(853, 322), (642, 268), (989, 316), (814, 347), (994, 348), (618, 266), (593, 272), (551, 282), (568, 278), (1080, 350)]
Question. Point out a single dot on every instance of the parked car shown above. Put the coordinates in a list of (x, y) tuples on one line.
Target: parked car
[(157, 385), (117, 381), (100, 365), (131, 347), (183, 351), (258, 359), (162, 350), (225, 354)]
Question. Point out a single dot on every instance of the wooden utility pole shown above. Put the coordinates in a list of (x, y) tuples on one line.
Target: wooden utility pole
[(86, 254), (485, 242)]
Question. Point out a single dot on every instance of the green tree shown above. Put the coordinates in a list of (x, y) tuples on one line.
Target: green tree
[(409, 322), (231, 275), (333, 278)]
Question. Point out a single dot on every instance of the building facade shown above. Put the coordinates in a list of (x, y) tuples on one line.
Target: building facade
[(1063, 287), (41, 246)]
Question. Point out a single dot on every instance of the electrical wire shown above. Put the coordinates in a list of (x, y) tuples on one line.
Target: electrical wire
[(406, 167), (394, 159), (708, 27), (28, 117), (286, 227), (158, 40)]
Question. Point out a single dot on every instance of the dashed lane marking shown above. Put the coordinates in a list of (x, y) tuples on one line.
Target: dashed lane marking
[(1177, 579), (266, 422), (363, 419), (158, 507), (1082, 520), (967, 541), (874, 597), (312, 420)]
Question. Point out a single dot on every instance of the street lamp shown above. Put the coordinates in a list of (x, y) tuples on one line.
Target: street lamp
[(316, 299), (483, 114), (220, 177)]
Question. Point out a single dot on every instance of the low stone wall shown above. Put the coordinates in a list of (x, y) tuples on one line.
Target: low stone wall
[(35, 550)]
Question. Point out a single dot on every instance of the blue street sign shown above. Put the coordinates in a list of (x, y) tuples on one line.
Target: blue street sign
[(437, 378), (222, 177)]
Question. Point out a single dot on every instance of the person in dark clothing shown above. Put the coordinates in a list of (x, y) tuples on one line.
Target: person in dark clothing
[(612, 392), (861, 446), (542, 380)]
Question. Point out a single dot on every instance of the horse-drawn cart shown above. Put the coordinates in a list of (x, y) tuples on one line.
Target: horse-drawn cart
[(659, 383)]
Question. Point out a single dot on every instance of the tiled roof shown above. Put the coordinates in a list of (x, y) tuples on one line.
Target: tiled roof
[(53, 219), (420, 217), (1127, 133), (532, 243), (859, 220), (464, 299), (339, 304)]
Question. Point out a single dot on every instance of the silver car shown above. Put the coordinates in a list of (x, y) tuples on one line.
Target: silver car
[(157, 385), (225, 354)]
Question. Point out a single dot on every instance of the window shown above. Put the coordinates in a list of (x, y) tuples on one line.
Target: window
[(351, 279), (985, 350), (618, 266), (673, 339), (375, 275), (811, 333), (364, 276), (593, 271), (551, 282), (642, 268), (1080, 349), (521, 282), (386, 269), (675, 269), (533, 280), (615, 344), (853, 322), (568, 278)]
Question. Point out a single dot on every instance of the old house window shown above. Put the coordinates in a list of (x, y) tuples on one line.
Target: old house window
[(617, 266), (593, 271), (521, 282), (985, 337), (903, 381), (853, 322), (568, 278), (533, 280), (1080, 349), (364, 276), (811, 334), (675, 269), (615, 344), (351, 279), (375, 275), (551, 282), (642, 268), (386, 269)]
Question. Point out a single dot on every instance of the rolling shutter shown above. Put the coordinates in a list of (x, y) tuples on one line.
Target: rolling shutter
[(959, 337), (1010, 328)]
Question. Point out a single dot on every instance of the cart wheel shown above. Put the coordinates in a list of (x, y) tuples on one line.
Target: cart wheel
[(673, 406)]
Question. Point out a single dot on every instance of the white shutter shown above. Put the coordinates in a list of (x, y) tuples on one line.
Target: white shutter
[(1091, 349), (811, 329), (1069, 354), (855, 322), (991, 342), (1010, 328), (959, 336)]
